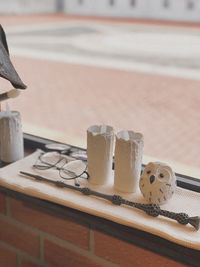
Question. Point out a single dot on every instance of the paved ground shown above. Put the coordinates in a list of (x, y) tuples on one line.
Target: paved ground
[(138, 76)]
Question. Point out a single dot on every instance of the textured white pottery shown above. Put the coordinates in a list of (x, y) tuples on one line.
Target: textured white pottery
[(100, 140), (128, 161)]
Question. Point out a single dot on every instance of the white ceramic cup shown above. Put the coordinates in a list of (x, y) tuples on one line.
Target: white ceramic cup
[(128, 161), (100, 140)]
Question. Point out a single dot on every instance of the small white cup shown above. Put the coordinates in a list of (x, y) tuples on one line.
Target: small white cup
[(100, 139), (128, 161)]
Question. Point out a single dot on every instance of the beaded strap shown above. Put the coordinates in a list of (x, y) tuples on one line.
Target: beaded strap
[(150, 209)]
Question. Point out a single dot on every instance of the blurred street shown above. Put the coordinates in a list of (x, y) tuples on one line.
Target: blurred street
[(137, 76)]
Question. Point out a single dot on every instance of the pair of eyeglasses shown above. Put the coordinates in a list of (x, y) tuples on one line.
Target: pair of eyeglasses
[(68, 169), (64, 149)]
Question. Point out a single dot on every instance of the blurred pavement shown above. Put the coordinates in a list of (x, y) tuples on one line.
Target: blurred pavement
[(131, 75)]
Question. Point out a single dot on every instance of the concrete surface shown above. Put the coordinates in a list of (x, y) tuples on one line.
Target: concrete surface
[(138, 76)]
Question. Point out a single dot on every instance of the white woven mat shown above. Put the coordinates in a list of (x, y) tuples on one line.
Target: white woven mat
[(182, 201)]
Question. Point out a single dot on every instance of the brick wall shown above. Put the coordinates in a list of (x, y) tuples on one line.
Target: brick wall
[(32, 237), (174, 10), (27, 6)]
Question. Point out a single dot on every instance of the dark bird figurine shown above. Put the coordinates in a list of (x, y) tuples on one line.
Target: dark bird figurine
[(7, 70)]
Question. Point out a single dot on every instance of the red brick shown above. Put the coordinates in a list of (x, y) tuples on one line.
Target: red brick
[(8, 258), (20, 238), (2, 203), (60, 256), (128, 255), (51, 223), (27, 263)]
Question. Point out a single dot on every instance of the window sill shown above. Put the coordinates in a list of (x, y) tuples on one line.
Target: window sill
[(86, 241)]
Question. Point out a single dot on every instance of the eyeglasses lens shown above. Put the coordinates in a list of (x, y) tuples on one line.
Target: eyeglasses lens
[(73, 168), (50, 158)]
